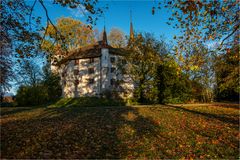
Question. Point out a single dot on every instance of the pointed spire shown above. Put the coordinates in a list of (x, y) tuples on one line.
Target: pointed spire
[(131, 27), (104, 40), (131, 36)]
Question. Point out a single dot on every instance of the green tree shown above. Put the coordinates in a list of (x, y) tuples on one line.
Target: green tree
[(141, 63), (172, 84), (51, 82), (227, 74), (31, 95)]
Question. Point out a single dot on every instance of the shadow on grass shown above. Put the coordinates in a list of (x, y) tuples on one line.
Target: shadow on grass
[(6, 111), (222, 118), (78, 132)]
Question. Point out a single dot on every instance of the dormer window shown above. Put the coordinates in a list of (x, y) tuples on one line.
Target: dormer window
[(76, 82), (113, 82), (124, 61), (91, 60), (112, 59), (76, 61), (64, 83), (76, 72), (113, 69), (90, 81), (90, 70)]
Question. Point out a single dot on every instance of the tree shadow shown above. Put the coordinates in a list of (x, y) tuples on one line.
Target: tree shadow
[(7, 111), (75, 132), (222, 117), (228, 105)]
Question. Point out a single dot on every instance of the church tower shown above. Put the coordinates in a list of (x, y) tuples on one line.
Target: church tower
[(131, 29)]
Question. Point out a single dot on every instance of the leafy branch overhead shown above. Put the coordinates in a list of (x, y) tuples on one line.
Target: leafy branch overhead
[(93, 12), (203, 21)]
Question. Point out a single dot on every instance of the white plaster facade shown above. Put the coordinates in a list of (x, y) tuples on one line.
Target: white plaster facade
[(93, 76)]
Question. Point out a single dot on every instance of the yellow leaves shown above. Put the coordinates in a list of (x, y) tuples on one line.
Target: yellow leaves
[(210, 37), (215, 141), (19, 51), (71, 34), (224, 9), (194, 67), (205, 13), (181, 58), (130, 116), (181, 146), (125, 131)]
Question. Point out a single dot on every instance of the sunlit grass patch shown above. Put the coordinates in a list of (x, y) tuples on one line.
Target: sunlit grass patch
[(87, 102)]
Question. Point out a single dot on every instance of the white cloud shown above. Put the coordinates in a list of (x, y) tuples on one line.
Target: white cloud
[(78, 12), (212, 45)]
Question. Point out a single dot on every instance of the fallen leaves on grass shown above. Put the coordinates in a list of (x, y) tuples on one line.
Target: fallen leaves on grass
[(123, 132)]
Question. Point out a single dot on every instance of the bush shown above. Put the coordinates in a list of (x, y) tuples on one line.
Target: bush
[(48, 90), (31, 95)]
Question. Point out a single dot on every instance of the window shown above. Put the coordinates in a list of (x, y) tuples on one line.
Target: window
[(64, 83), (124, 61), (76, 72), (90, 70), (90, 81), (113, 82), (76, 82), (112, 59), (113, 69), (76, 61), (91, 60)]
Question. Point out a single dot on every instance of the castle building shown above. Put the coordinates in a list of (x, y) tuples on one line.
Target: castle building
[(94, 70)]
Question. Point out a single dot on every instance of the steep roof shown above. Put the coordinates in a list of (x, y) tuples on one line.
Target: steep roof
[(94, 50), (91, 51)]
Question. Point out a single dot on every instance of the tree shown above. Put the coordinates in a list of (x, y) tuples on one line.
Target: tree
[(17, 38), (36, 91), (16, 28), (51, 82), (30, 73), (117, 38), (227, 75), (6, 64), (141, 63), (75, 34), (172, 84)]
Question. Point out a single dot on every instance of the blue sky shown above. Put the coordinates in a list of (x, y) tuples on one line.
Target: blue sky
[(118, 16)]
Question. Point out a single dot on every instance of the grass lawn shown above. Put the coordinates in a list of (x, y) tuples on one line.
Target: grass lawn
[(160, 131)]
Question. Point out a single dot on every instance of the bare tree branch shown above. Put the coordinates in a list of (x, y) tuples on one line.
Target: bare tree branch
[(30, 16), (236, 28), (50, 21)]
